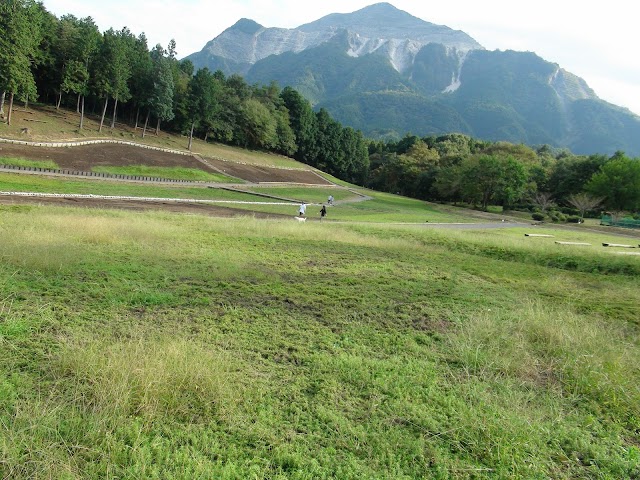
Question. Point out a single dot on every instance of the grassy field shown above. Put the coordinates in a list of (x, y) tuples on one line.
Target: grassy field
[(385, 208), (152, 345), (361, 205), (13, 182)]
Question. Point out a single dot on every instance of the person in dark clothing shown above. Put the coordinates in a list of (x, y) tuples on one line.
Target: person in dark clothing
[(323, 212)]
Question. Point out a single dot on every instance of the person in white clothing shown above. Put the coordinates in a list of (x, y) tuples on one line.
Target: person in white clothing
[(302, 209)]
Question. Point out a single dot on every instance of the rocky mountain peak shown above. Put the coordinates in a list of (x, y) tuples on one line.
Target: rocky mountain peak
[(246, 26), (380, 28)]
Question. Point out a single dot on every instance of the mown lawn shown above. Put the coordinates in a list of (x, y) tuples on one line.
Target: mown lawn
[(151, 345)]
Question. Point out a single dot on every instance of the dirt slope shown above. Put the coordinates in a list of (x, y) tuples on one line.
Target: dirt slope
[(87, 157)]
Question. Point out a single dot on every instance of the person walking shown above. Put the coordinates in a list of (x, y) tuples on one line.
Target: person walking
[(323, 212), (330, 200), (302, 209)]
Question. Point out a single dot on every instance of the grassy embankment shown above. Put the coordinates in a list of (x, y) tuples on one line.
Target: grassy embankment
[(151, 345), (45, 124)]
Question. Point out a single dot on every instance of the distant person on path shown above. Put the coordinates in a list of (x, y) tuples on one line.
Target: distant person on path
[(323, 212), (330, 200), (302, 209)]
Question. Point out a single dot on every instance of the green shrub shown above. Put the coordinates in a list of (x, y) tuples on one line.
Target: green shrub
[(574, 219), (537, 216), (557, 217)]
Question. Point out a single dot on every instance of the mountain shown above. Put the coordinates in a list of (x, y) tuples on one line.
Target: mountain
[(387, 73)]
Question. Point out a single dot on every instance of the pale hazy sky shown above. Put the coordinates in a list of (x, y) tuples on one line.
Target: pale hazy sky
[(595, 40)]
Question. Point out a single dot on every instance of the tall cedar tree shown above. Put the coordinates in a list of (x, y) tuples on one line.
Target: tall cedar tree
[(20, 22)]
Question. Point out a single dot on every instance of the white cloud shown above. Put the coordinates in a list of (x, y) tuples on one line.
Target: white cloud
[(594, 40)]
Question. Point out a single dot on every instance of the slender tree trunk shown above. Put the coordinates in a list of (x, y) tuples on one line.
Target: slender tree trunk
[(104, 112), (158, 128), (193, 124), (206, 135), (78, 103), (59, 101), (26, 102), (115, 109), (82, 113), (146, 122), (2, 103), (137, 117), (10, 108)]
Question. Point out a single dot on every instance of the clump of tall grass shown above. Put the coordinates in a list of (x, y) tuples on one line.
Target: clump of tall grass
[(46, 239), (152, 378), (588, 359)]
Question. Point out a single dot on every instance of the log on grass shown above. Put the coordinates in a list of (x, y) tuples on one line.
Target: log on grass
[(573, 243)]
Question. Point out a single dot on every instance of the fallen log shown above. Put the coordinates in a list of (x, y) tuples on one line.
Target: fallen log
[(572, 243)]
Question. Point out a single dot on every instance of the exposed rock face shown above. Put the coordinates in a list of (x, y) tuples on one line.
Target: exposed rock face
[(380, 28), (248, 42), (569, 86)]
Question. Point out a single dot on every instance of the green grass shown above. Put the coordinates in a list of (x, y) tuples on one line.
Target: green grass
[(153, 345), (512, 244), (308, 194), (378, 208), (173, 173), (23, 162), (383, 207), (252, 157), (39, 184)]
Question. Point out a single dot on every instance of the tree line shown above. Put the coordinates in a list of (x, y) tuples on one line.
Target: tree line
[(113, 75), (460, 169)]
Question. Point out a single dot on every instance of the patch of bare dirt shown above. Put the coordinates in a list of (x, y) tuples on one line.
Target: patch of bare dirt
[(258, 174), (86, 157)]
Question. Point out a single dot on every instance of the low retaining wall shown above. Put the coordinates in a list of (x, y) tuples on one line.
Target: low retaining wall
[(91, 142)]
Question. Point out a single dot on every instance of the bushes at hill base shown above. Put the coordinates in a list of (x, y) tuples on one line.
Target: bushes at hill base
[(538, 217), (557, 217)]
